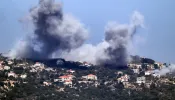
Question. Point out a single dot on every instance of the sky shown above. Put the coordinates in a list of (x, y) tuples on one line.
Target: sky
[(157, 37)]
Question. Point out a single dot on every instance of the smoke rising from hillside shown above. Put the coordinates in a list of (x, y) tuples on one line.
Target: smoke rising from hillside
[(165, 70), (53, 31), (58, 35), (114, 50)]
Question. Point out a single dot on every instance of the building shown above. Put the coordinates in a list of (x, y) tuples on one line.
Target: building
[(10, 62), (65, 78), (140, 80), (68, 83), (90, 77), (156, 75), (148, 72), (47, 83), (23, 76), (136, 71), (124, 78), (138, 66), (71, 71), (12, 74), (6, 68)]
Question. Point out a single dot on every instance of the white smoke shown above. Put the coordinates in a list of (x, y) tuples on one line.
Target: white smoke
[(165, 70)]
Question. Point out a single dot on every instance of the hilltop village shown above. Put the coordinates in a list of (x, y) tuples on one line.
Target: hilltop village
[(31, 80)]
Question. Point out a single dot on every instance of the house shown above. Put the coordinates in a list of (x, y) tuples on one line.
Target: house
[(23, 76), (37, 64), (71, 71), (136, 70), (12, 83), (159, 64), (135, 65), (124, 78), (138, 66), (12, 74), (47, 83), (65, 78), (10, 62), (33, 70), (84, 64), (90, 77), (150, 66), (140, 80), (68, 83), (149, 72), (156, 75), (6, 68)]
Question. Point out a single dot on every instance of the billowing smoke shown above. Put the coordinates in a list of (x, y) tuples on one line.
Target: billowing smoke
[(166, 70), (53, 31), (58, 35), (115, 49)]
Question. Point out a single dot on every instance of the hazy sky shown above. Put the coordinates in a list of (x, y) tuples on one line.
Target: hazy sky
[(159, 21)]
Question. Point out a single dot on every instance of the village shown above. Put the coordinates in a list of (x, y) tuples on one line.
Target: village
[(136, 77)]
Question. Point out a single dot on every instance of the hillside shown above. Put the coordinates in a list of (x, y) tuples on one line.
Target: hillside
[(58, 79)]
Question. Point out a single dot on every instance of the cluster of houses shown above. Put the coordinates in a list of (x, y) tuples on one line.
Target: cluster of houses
[(143, 78), (68, 76)]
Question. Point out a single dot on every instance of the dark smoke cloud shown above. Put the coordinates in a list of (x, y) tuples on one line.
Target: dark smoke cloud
[(53, 31)]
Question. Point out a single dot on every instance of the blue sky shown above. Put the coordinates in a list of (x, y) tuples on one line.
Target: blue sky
[(159, 19)]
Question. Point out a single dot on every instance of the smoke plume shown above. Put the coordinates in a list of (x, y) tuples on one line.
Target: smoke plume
[(60, 35), (165, 70), (53, 31), (114, 50)]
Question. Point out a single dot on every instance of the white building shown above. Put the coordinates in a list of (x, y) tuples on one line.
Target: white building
[(10, 62), (138, 66), (12, 74), (66, 78), (23, 76), (136, 71), (6, 68), (156, 75), (71, 71), (141, 80), (47, 83), (124, 78), (68, 82), (33, 70), (90, 76), (148, 73)]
